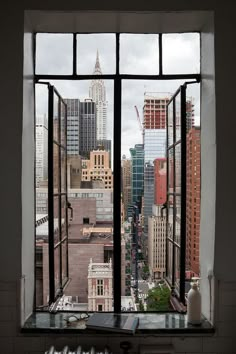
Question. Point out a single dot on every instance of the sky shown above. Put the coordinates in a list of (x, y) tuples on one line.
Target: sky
[(138, 55)]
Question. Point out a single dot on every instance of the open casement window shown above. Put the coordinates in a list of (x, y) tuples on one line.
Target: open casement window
[(176, 192), (57, 194)]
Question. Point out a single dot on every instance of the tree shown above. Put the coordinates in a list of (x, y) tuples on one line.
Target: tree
[(158, 299)]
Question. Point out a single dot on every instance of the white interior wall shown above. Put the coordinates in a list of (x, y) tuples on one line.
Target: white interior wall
[(218, 221)]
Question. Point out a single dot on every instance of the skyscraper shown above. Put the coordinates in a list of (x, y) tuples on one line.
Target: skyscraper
[(87, 128), (97, 92), (73, 105), (137, 158), (154, 147), (126, 184)]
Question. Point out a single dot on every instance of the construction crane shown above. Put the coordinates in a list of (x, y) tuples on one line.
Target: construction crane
[(140, 123)]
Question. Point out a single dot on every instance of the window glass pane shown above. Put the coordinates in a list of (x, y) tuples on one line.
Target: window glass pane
[(96, 54), (170, 262), (56, 168), (56, 220), (177, 219), (56, 117), (63, 170), (181, 53), (64, 261), (63, 124), (54, 53), (177, 267), (177, 117), (170, 124), (63, 217), (170, 233), (57, 261), (171, 170), (139, 54), (178, 168)]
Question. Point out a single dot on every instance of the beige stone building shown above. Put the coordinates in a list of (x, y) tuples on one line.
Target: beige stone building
[(157, 244), (97, 168), (100, 290)]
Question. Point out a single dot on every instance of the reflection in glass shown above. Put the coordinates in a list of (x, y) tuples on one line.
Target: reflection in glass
[(177, 267), (56, 168), (56, 118), (177, 219), (63, 217), (63, 125), (171, 170), (178, 168), (64, 260), (57, 267), (178, 117), (56, 220), (170, 124)]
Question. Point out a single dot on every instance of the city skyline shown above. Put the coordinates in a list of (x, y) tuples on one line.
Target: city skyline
[(132, 91)]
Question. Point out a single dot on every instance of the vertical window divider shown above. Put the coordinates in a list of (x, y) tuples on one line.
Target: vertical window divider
[(117, 184), (174, 194), (74, 54), (160, 55), (183, 194), (50, 196)]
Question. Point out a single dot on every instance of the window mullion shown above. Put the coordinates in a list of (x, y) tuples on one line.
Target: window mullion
[(183, 194), (117, 186), (50, 197)]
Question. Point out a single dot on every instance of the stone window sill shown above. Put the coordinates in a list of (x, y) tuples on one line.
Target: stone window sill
[(173, 324)]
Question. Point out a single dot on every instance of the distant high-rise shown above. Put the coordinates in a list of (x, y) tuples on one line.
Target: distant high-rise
[(97, 92), (160, 181), (73, 105), (87, 128), (157, 243), (126, 184), (154, 110), (137, 159), (154, 147), (193, 200)]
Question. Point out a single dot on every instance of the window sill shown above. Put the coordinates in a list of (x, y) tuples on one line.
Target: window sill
[(173, 324)]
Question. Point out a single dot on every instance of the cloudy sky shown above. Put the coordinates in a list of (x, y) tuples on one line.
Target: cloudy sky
[(138, 55)]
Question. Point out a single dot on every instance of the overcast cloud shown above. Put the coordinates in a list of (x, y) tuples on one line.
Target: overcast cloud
[(139, 55)]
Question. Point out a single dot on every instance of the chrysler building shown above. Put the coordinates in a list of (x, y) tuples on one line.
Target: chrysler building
[(97, 92)]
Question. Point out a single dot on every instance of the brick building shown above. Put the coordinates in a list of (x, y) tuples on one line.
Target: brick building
[(193, 200), (160, 181)]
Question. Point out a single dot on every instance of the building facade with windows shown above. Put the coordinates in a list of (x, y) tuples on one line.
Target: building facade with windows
[(126, 184), (73, 112), (87, 127), (100, 289), (97, 91), (157, 243), (137, 159), (193, 199), (98, 168), (154, 147)]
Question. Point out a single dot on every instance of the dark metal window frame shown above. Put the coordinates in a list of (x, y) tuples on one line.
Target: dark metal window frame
[(117, 78)]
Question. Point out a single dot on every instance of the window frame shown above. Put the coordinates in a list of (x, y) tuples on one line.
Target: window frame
[(117, 78)]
